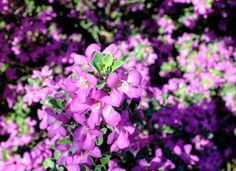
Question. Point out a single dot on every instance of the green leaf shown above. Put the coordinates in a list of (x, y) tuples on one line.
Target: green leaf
[(61, 103), (84, 167), (3, 67), (167, 66), (34, 81), (99, 141), (54, 103), (72, 150), (58, 104), (234, 131), (105, 160), (167, 129), (116, 64), (107, 60), (56, 155), (97, 62), (104, 130), (110, 127), (99, 168), (61, 168), (100, 85), (48, 163), (31, 81), (64, 141), (5, 154)]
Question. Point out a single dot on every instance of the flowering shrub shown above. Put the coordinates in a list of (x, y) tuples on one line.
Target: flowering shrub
[(117, 85)]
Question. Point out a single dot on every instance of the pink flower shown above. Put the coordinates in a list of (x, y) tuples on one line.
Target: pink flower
[(125, 84), (120, 136)]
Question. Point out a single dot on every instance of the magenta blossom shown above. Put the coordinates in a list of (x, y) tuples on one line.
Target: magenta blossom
[(128, 84)]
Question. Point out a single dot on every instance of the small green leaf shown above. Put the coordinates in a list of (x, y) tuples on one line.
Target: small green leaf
[(116, 64), (99, 141), (31, 81), (56, 155), (84, 167), (100, 85), (48, 163), (61, 168), (97, 62), (64, 141), (110, 127), (5, 154), (34, 81), (105, 160), (3, 67), (104, 130), (54, 103), (234, 131), (99, 168), (72, 150), (61, 103), (167, 129), (58, 104), (107, 60)]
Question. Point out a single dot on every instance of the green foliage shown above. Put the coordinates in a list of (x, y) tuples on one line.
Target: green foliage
[(30, 6), (97, 62), (229, 89), (99, 141), (168, 66), (64, 141), (140, 51), (105, 64), (99, 168), (100, 85), (104, 130), (107, 61), (18, 115), (37, 81), (105, 160), (3, 68), (56, 155), (116, 64), (85, 168), (167, 129), (57, 104), (5, 154), (49, 164)]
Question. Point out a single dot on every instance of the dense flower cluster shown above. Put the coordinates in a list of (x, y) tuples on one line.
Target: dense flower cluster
[(117, 85)]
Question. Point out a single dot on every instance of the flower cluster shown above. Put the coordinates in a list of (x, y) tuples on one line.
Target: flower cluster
[(117, 85), (93, 107)]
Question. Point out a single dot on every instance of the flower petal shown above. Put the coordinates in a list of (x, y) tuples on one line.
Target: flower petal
[(112, 80), (96, 152), (79, 59), (111, 116), (110, 49), (91, 49), (123, 140), (134, 78), (93, 119)]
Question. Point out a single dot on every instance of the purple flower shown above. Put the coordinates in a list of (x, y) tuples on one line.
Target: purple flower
[(121, 135), (125, 84), (84, 140)]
